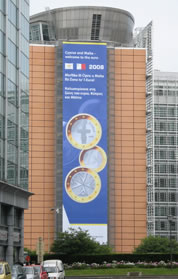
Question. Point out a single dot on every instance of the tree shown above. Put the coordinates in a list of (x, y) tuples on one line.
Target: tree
[(156, 244), (78, 242)]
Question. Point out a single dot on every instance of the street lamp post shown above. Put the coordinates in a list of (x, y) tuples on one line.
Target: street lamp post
[(170, 220), (51, 209), (56, 210)]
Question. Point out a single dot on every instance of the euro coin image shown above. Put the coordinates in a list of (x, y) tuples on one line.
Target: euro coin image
[(94, 158), (83, 131), (82, 184)]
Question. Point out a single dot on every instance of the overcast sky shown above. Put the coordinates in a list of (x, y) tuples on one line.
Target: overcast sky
[(163, 13)]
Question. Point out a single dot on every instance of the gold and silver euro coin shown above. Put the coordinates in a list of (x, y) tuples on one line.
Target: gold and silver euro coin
[(82, 184), (83, 131)]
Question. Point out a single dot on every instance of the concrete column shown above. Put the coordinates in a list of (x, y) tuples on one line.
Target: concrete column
[(21, 252), (10, 223)]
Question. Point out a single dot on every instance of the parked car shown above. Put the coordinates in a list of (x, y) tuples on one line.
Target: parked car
[(30, 272), (43, 274), (54, 269), (18, 272), (5, 271)]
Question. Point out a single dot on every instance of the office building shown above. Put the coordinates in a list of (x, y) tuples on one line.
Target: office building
[(14, 98), (87, 143), (165, 159)]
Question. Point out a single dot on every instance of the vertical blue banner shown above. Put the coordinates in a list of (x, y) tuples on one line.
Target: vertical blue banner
[(85, 137)]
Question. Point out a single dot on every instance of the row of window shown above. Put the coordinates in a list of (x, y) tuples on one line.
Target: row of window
[(5, 213), (166, 197), (166, 211), (164, 225), (36, 29), (166, 111), (12, 152), (168, 85), (165, 168), (12, 173), (166, 154), (166, 182), (12, 13), (25, 8), (2, 5), (170, 93), (165, 126), (24, 27), (12, 113), (166, 140)]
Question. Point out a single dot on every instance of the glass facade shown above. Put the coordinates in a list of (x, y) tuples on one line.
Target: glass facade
[(14, 115), (83, 23), (166, 153), (14, 91)]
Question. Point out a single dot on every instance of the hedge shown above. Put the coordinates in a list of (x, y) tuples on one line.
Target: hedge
[(69, 259)]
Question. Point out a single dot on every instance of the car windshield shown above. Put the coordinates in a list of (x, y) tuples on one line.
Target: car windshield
[(1, 269), (50, 269), (28, 270), (17, 270), (14, 270)]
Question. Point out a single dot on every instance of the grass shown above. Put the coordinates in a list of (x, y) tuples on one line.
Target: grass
[(122, 271)]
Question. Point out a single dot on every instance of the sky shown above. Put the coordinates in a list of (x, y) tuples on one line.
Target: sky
[(163, 13)]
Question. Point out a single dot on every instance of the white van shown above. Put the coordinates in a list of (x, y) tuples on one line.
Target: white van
[(54, 269)]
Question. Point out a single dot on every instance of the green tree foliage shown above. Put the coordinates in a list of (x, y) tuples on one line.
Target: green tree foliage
[(78, 242), (30, 252), (157, 244)]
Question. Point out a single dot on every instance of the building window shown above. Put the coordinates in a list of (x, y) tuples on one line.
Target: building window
[(95, 30), (45, 32), (35, 32), (17, 217), (171, 111), (172, 197), (172, 182), (4, 215), (162, 226)]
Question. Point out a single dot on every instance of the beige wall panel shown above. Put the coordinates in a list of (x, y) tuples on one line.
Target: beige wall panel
[(132, 98), (49, 87), (139, 113), (126, 102), (35, 49), (139, 58), (140, 162), (124, 64), (38, 55), (128, 230), (127, 58), (140, 173), (37, 86), (50, 55), (38, 61), (49, 75), (125, 77), (49, 62), (36, 68), (38, 124), (125, 132), (138, 52), (139, 78), (119, 71), (139, 131), (49, 80), (139, 65), (140, 101), (138, 83), (49, 69), (139, 72)]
